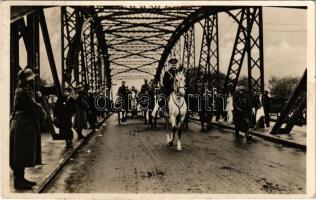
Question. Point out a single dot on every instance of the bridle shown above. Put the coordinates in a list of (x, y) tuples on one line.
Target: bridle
[(177, 92), (176, 86)]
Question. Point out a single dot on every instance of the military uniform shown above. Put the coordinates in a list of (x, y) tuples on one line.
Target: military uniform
[(25, 138), (168, 80), (123, 93), (240, 116)]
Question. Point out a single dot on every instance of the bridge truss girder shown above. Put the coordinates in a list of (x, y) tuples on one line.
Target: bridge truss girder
[(29, 32), (85, 58), (136, 36), (293, 109), (248, 41), (208, 68)]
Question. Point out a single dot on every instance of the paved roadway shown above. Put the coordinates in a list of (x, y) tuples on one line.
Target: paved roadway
[(135, 159)]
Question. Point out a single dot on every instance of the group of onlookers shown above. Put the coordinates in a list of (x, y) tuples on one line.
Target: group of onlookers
[(72, 110)]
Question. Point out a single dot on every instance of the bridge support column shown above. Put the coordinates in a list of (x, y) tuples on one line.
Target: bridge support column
[(71, 27), (188, 58), (249, 39), (293, 109), (209, 54)]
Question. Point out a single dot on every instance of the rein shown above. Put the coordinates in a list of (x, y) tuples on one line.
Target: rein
[(179, 106), (175, 86)]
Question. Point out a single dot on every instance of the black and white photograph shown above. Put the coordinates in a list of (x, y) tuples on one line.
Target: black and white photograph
[(149, 99)]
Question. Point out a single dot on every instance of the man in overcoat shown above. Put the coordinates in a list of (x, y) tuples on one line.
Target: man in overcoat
[(81, 113), (123, 94), (92, 112), (168, 77), (240, 116), (64, 110), (25, 141)]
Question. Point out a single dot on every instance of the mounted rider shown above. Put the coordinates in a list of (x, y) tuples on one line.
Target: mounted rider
[(168, 80), (145, 88)]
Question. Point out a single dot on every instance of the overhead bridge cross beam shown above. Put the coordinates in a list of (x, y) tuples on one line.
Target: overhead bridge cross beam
[(183, 27), (248, 45)]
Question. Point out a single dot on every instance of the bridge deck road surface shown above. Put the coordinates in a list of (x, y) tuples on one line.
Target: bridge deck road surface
[(135, 159)]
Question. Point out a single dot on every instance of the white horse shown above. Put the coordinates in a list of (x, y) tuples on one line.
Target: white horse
[(177, 109)]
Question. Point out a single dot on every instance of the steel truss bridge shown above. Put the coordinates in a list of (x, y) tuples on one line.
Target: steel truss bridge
[(103, 43)]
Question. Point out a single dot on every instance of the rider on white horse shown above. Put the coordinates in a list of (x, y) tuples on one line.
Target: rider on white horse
[(168, 80)]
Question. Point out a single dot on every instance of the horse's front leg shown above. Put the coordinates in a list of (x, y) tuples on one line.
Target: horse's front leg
[(179, 130), (170, 136)]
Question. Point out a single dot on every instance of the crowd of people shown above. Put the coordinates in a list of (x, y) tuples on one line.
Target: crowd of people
[(76, 109), (132, 100), (234, 109)]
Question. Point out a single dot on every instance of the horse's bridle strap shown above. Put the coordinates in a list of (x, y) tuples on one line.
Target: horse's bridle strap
[(179, 107)]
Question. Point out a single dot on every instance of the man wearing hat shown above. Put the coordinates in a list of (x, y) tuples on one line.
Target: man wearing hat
[(143, 96), (25, 141), (81, 112), (64, 110), (122, 92), (240, 116), (168, 79), (145, 87)]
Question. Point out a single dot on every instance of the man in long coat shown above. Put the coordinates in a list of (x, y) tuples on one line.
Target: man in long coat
[(169, 76), (240, 117), (81, 113), (25, 141), (64, 110), (92, 112), (123, 94), (167, 83)]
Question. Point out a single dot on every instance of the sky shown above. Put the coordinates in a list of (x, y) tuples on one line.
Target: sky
[(285, 43)]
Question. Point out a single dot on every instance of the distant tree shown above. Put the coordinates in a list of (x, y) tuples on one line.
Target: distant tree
[(243, 81), (200, 79), (282, 88)]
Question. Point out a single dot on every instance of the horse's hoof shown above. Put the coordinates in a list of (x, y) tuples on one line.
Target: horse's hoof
[(249, 139), (179, 148)]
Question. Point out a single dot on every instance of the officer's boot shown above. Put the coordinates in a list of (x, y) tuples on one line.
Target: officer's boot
[(19, 182)]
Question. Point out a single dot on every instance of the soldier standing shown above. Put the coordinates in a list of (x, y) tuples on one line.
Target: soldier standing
[(240, 117), (25, 143)]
